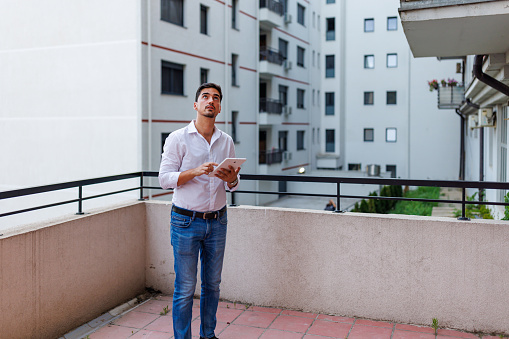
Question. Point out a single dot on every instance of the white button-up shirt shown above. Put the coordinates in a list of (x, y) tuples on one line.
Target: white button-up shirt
[(185, 149)]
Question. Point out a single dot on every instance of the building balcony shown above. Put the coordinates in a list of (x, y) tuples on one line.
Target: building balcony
[(271, 14), (271, 62), (271, 106), (269, 157), (451, 28)]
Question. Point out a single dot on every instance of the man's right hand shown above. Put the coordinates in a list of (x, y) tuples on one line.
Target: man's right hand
[(205, 168)]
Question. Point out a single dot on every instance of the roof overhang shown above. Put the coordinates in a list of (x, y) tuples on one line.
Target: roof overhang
[(450, 28)]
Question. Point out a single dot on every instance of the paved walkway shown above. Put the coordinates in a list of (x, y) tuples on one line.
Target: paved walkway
[(238, 321), (447, 209)]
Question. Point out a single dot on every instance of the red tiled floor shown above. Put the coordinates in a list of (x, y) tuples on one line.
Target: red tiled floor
[(235, 306), (144, 334), (335, 318), (299, 314), (239, 331), (113, 332), (277, 334), (265, 309), (457, 334), (255, 319), (414, 328), (161, 324), (154, 306), (136, 319), (227, 315), (330, 329), (373, 323), (412, 335), (369, 332), (291, 323)]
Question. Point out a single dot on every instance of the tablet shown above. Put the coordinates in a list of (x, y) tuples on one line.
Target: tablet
[(234, 162)]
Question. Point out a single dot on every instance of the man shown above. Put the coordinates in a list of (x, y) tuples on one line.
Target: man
[(198, 217)]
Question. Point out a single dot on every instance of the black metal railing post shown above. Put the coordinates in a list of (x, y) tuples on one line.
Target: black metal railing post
[(338, 198), (141, 187), (80, 200), (463, 205)]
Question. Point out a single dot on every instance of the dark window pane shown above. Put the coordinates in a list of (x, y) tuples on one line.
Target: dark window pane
[(330, 140), (391, 98), (369, 134)]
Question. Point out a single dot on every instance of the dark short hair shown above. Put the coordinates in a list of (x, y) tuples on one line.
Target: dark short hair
[(208, 85)]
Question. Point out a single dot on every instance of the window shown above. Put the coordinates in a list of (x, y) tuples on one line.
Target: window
[(369, 98), (369, 61), (283, 48), (330, 143), (392, 23), (235, 123), (329, 103), (203, 19), (300, 98), (314, 24), (331, 1), (318, 26), (313, 58), (391, 98), (318, 97), (234, 69), (173, 11), (300, 56), (329, 66), (369, 25), (163, 140), (318, 59), (330, 29), (283, 95), (204, 75), (354, 167), (301, 11), (392, 169), (283, 140), (300, 140), (313, 98), (392, 60), (172, 78), (234, 14), (390, 134), (369, 134)]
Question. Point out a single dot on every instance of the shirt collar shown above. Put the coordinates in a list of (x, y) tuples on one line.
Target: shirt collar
[(215, 135)]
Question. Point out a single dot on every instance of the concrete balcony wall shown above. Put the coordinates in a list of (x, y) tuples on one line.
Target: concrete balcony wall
[(57, 277), (401, 268)]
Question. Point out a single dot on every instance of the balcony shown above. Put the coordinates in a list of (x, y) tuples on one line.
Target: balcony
[(271, 62), (270, 157), (449, 28), (397, 268), (450, 97), (271, 14)]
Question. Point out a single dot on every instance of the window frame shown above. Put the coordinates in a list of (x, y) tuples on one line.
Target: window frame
[(204, 19), (300, 140), (395, 97), (390, 19), (330, 72), (330, 34), (330, 103), (366, 135), (387, 134), (301, 54), (330, 144), (372, 20), (366, 61), (366, 96), (173, 67), (301, 14), (301, 93), (234, 70), (167, 15), (396, 59)]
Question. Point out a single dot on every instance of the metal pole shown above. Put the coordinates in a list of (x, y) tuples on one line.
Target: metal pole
[(338, 199), (463, 204), (80, 200), (141, 187)]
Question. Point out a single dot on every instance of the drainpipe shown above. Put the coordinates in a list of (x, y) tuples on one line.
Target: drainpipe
[(462, 146), (481, 162), (485, 78)]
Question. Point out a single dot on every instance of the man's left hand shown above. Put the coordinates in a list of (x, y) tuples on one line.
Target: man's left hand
[(228, 174)]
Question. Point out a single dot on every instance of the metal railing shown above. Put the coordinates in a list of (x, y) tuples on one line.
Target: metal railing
[(272, 106), (271, 55), (338, 181), (270, 157), (273, 6)]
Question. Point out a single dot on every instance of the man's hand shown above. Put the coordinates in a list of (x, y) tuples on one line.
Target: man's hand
[(228, 174), (205, 168)]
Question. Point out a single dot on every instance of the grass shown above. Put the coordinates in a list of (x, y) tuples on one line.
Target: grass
[(418, 207)]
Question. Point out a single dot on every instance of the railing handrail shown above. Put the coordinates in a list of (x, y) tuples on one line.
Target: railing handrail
[(267, 177)]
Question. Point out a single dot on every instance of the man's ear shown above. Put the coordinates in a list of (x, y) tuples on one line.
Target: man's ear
[(194, 106)]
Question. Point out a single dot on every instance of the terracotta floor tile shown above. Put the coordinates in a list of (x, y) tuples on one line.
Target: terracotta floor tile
[(373, 323), (265, 309), (336, 318), (239, 331), (398, 334), (330, 329), (414, 328), (165, 297), (369, 332), (299, 314), (154, 306), (277, 334), (161, 324), (234, 306), (456, 334), (255, 319), (227, 315), (144, 334), (291, 323), (136, 319), (113, 332)]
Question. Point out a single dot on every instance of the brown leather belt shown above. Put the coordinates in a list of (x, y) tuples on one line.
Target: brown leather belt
[(202, 215)]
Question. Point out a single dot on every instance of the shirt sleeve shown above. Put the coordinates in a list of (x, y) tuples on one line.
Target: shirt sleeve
[(171, 162), (232, 155)]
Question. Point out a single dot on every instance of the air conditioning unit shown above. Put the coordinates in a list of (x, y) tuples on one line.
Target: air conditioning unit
[(472, 121), (288, 18), (287, 110), (287, 155), (486, 117), (287, 65)]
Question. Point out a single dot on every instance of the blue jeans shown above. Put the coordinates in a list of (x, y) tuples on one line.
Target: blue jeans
[(191, 236)]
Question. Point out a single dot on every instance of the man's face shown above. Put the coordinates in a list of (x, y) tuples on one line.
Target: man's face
[(209, 103)]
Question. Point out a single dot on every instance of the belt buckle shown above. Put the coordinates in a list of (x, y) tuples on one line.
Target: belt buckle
[(209, 215)]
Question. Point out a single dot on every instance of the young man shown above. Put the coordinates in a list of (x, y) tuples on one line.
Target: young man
[(198, 217)]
